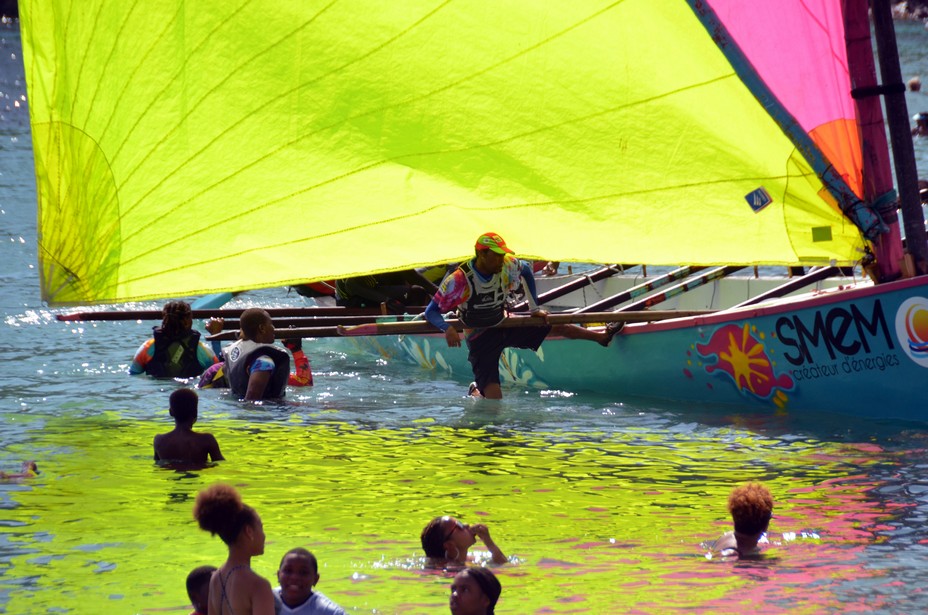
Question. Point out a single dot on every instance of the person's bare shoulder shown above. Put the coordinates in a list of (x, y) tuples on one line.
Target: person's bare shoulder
[(725, 541), (261, 593), (208, 442), (157, 442)]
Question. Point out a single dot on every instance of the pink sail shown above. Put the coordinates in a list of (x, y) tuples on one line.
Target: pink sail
[(799, 51)]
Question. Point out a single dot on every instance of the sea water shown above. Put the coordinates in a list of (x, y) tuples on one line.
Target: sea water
[(602, 506)]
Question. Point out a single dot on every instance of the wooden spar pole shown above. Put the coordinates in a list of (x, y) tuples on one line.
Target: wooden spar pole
[(425, 327), (901, 136), (574, 285), (792, 285), (283, 322), (421, 326), (637, 291), (282, 334), (687, 285), (230, 313)]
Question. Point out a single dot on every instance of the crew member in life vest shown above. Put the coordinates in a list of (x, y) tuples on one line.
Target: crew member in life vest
[(175, 349), (215, 376), (254, 368), (479, 289)]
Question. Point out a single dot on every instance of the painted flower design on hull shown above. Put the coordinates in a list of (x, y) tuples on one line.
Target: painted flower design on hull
[(744, 358)]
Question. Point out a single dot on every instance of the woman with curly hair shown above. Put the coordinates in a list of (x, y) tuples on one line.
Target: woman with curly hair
[(751, 507), (234, 589)]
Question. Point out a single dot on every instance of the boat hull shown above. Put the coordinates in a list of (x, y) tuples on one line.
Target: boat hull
[(860, 351)]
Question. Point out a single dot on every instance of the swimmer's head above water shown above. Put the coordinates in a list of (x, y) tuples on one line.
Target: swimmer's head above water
[(447, 538), (28, 469)]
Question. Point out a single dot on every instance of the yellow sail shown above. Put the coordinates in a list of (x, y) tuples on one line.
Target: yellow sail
[(184, 148)]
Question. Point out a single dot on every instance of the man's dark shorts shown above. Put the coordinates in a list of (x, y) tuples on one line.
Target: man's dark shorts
[(487, 347)]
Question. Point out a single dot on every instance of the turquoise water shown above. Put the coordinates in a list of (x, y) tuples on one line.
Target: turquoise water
[(602, 505)]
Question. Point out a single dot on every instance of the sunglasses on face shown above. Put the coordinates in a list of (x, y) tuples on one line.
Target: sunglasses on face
[(457, 526)]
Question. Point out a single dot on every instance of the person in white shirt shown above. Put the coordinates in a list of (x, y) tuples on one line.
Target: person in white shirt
[(297, 575)]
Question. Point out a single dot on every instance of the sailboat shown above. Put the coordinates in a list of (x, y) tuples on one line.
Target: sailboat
[(256, 145)]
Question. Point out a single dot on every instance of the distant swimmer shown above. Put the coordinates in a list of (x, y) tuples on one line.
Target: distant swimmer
[(298, 575), (751, 507), (175, 349), (234, 587), (183, 444), (479, 290), (474, 591), (28, 469), (921, 124), (446, 540), (915, 84)]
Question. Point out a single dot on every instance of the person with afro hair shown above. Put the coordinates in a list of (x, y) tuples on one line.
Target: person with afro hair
[(234, 587), (751, 507)]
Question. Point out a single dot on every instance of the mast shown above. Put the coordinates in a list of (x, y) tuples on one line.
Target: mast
[(903, 153), (878, 184)]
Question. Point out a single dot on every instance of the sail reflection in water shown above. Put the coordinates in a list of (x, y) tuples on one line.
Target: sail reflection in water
[(603, 515)]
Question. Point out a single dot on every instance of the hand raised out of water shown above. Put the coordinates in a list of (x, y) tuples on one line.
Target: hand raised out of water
[(483, 533), (215, 325)]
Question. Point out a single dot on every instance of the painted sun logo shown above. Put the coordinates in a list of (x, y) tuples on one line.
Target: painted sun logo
[(743, 357), (912, 329)]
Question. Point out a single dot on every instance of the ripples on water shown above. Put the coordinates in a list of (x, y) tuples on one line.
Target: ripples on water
[(602, 505)]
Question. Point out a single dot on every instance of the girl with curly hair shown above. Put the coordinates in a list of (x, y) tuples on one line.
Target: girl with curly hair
[(234, 588)]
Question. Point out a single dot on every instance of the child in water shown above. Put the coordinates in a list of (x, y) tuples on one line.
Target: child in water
[(234, 587), (474, 591), (198, 588), (183, 443), (297, 575), (751, 507)]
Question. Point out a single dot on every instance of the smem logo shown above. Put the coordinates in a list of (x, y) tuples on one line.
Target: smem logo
[(912, 329)]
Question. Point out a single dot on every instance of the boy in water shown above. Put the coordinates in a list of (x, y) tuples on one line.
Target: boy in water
[(751, 507), (297, 575), (183, 443), (198, 588)]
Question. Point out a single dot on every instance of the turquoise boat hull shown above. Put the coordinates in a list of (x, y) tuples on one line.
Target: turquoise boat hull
[(861, 351)]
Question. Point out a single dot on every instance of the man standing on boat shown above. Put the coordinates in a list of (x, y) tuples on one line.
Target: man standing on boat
[(479, 289)]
